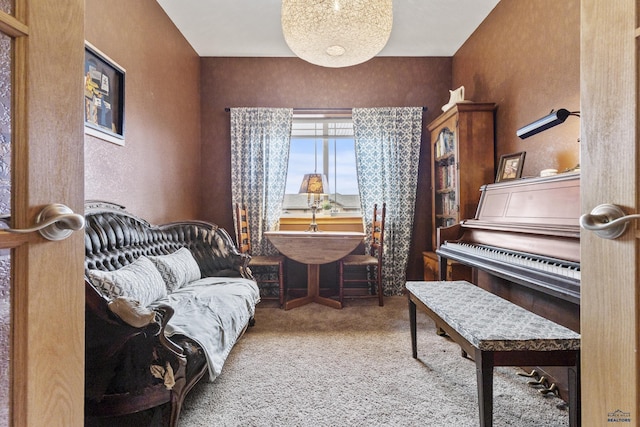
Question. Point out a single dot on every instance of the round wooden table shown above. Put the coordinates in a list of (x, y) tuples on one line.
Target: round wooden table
[(314, 248)]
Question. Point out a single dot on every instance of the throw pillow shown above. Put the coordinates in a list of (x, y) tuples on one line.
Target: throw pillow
[(130, 311), (139, 280), (177, 269)]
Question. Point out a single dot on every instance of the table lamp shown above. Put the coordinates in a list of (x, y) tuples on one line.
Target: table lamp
[(313, 184)]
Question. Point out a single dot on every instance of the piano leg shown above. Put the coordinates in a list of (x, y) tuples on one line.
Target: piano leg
[(574, 393), (442, 268)]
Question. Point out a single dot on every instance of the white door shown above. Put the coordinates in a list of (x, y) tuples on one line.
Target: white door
[(41, 140), (609, 160)]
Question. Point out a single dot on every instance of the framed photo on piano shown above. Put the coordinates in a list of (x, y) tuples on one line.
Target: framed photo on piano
[(510, 166)]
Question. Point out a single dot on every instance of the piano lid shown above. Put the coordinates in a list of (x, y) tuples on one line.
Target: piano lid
[(534, 215), (549, 202)]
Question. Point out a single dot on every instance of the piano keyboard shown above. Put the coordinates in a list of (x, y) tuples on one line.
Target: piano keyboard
[(545, 274), (549, 265)]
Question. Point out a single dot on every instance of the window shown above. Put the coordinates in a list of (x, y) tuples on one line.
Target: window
[(323, 144)]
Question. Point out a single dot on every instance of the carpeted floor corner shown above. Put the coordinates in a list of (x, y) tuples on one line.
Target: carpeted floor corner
[(318, 366)]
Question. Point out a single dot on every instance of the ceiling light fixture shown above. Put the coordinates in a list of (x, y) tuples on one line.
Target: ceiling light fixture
[(336, 33)]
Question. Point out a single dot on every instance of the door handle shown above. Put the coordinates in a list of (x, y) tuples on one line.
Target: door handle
[(607, 221), (54, 222)]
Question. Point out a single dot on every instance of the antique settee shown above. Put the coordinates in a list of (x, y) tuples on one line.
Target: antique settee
[(164, 307)]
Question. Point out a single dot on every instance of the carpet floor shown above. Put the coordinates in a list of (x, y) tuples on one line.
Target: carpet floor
[(318, 366)]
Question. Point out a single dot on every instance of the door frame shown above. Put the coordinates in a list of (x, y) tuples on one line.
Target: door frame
[(609, 159), (47, 293)]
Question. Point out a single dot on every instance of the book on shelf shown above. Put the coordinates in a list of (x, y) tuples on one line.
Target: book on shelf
[(445, 143), (446, 176)]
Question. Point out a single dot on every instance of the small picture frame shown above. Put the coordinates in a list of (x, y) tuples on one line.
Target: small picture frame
[(510, 166), (103, 96)]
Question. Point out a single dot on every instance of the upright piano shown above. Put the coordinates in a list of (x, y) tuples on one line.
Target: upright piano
[(524, 245)]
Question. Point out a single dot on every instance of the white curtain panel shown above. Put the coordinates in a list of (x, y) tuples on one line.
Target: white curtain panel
[(260, 139), (387, 144)]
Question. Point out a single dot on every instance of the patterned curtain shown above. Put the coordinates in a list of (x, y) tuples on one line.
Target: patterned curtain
[(387, 153), (260, 140)]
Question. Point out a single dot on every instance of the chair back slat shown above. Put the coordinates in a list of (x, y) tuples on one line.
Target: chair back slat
[(377, 230), (243, 238), (270, 269), (374, 266)]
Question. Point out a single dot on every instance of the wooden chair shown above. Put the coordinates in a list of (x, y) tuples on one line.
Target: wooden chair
[(373, 259), (273, 264)]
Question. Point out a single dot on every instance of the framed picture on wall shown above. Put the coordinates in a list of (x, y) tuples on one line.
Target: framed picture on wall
[(103, 96), (510, 166)]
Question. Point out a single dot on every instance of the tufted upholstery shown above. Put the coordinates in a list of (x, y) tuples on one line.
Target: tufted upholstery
[(115, 238)]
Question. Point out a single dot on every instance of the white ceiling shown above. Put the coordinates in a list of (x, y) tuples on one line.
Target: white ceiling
[(252, 27)]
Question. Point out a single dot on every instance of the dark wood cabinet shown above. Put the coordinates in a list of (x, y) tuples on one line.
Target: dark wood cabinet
[(463, 159), (455, 270), (430, 261)]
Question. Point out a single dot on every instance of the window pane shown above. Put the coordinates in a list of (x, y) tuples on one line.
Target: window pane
[(301, 162), (343, 178), (335, 158), (323, 144), (317, 128)]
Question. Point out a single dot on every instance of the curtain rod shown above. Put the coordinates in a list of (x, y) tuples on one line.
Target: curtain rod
[(228, 109)]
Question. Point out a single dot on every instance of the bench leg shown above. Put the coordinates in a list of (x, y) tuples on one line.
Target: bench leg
[(484, 373), (575, 419), (412, 323)]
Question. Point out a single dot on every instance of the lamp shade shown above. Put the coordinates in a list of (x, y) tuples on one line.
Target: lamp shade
[(314, 183), (336, 33)]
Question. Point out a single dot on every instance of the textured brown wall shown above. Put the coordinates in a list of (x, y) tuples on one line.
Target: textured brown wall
[(156, 174), (291, 82), (526, 57)]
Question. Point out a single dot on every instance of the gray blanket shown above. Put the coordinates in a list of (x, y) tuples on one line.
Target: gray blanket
[(213, 312)]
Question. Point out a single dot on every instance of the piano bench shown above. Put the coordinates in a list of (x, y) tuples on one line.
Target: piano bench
[(497, 333)]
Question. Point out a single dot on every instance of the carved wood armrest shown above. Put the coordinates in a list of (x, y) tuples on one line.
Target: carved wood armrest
[(165, 312)]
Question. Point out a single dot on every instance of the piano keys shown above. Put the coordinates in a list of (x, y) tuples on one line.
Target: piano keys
[(553, 276)]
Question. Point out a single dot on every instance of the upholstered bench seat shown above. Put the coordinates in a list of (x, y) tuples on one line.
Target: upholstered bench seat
[(496, 332), (489, 322)]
